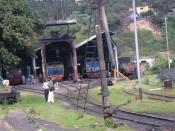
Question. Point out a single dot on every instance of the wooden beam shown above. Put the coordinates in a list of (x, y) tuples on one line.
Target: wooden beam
[(74, 63), (43, 59)]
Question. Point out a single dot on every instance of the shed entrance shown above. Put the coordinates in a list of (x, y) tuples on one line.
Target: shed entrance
[(59, 54)]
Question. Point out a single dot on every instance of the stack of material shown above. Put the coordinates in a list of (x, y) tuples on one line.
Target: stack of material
[(167, 74), (9, 97)]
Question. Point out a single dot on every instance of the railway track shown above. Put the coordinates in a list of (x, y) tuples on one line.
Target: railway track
[(151, 95), (123, 115), (144, 119), (71, 99)]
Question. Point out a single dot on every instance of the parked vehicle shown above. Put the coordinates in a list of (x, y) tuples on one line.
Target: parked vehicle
[(129, 70), (56, 71), (92, 68)]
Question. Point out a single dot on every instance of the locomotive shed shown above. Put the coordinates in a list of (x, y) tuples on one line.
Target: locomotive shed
[(57, 51), (87, 49), (61, 50)]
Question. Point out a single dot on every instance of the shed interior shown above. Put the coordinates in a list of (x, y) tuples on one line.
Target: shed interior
[(85, 48), (60, 52)]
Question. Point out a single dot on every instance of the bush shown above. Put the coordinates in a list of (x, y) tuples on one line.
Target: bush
[(160, 64), (110, 123), (32, 111), (79, 115), (146, 81)]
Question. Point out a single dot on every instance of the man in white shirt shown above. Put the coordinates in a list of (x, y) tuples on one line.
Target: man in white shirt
[(51, 91), (46, 90)]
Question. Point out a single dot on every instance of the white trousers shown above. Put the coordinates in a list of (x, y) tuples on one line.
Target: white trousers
[(51, 96)]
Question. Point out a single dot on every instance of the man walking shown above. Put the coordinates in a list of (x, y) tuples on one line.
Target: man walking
[(46, 90)]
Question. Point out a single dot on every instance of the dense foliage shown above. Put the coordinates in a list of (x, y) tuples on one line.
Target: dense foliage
[(117, 12), (160, 64), (19, 28)]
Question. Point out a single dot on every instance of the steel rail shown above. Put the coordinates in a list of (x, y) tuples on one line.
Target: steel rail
[(154, 96)]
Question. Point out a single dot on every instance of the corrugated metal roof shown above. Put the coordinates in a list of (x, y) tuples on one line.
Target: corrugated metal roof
[(85, 41), (90, 39)]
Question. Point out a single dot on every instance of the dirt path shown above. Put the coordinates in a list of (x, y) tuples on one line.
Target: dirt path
[(3, 126), (51, 126), (19, 120)]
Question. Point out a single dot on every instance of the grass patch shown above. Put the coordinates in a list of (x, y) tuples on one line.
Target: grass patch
[(56, 113), (155, 83), (151, 106), (147, 105), (116, 95), (35, 106), (3, 111)]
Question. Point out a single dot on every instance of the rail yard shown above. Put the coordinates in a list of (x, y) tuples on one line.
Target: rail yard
[(71, 94), (87, 65)]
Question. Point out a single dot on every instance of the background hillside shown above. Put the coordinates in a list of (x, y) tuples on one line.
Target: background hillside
[(117, 12)]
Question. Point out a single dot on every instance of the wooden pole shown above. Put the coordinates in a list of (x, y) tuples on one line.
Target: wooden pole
[(43, 59), (105, 92), (95, 4), (74, 63), (106, 30)]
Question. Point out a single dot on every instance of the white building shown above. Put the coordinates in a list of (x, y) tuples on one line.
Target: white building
[(149, 60)]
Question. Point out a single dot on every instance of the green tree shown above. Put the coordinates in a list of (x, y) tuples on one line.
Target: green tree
[(160, 64), (19, 28), (117, 13)]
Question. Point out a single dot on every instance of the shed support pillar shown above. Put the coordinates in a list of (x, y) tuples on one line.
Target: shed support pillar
[(43, 59), (74, 64), (34, 68)]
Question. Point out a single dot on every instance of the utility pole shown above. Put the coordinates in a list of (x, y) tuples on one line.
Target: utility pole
[(96, 4), (167, 42), (104, 87), (106, 30), (104, 24), (137, 50)]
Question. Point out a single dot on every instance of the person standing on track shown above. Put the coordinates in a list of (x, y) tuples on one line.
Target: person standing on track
[(51, 91), (46, 90)]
